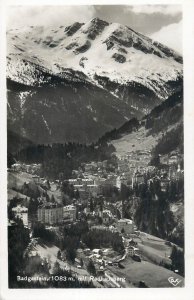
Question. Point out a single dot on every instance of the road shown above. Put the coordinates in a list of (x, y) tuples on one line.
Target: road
[(50, 253)]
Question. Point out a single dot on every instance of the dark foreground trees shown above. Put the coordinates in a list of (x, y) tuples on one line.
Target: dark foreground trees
[(102, 238), (177, 257), (91, 268), (18, 239)]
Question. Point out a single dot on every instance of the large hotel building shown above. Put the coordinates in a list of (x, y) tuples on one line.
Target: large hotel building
[(50, 213)]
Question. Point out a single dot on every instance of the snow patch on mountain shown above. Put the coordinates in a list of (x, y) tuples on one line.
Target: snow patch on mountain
[(22, 96), (92, 49), (46, 124)]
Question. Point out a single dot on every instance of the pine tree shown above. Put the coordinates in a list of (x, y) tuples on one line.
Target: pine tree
[(91, 268), (91, 205), (52, 199)]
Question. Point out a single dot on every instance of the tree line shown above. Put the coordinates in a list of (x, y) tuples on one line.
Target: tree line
[(58, 160)]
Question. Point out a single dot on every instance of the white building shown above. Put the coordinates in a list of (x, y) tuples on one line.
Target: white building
[(137, 178), (50, 213), (69, 213), (125, 225), (133, 251), (118, 182), (22, 213)]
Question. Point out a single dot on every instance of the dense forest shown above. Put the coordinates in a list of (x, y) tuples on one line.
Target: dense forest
[(58, 160), (170, 141), (126, 128), (166, 114), (18, 239), (103, 238), (152, 213)]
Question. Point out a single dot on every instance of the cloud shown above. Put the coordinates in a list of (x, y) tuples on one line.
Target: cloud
[(160, 9), (147, 19), (170, 36), (19, 16)]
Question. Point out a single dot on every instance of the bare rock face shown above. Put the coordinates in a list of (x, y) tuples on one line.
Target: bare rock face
[(96, 28), (82, 61), (168, 52), (70, 30), (122, 50), (71, 46), (119, 58), (83, 48)]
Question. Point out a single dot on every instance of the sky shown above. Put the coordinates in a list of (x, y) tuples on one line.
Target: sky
[(160, 22)]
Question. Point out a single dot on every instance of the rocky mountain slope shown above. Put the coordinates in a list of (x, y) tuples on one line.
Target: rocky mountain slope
[(63, 111), (74, 83)]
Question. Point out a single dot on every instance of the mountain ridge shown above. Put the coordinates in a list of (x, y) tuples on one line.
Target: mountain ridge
[(106, 70), (110, 44)]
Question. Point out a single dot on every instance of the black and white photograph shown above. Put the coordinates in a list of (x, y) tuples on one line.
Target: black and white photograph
[(95, 146)]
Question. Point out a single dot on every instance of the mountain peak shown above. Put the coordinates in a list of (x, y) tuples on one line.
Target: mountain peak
[(94, 48), (81, 70), (94, 28), (98, 21), (70, 30)]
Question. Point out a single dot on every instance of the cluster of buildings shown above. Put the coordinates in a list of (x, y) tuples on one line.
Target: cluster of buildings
[(134, 168), (93, 185), (85, 186), (91, 180), (171, 171), (123, 225), (54, 213), (94, 179), (48, 213), (96, 167), (105, 214), (134, 159), (22, 167)]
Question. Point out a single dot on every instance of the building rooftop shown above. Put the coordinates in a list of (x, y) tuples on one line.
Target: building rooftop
[(50, 205), (11, 223), (20, 209), (69, 207), (128, 221)]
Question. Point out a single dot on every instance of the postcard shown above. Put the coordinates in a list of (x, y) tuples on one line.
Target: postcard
[(97, 97)]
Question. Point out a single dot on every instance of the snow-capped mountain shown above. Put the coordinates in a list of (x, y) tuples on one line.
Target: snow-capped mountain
[(101, 74)]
